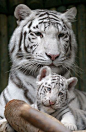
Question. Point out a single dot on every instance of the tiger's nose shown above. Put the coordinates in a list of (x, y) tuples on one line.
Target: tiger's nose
[(53, 57)]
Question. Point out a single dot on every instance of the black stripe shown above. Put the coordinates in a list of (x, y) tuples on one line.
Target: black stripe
[(55, 20), (20, 42), (21, 36), (49, 17), (43, 14), (4, 96), (30, 24), (41, 19), (12, 49), (27, 72), (24, 42), (30, 39), (1, 117), (63, 114), (19, 55), (70, 43), (64, 108), (71, 100), (31, 34), (53, 12), (21, 86), (54, 15)]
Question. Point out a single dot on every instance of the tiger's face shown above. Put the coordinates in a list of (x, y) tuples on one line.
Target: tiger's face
[(52, 92), (45, 38)]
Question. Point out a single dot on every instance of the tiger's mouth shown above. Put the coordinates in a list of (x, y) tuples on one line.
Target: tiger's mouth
[(51, 64)]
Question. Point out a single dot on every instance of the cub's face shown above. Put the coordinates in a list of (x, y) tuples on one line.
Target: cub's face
[(44, 38), (53, 89)]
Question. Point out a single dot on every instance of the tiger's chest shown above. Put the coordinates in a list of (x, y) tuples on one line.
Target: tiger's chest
[(22, 87)]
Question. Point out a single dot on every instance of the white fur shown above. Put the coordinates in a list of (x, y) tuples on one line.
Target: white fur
[(49, 44), (70, 111)]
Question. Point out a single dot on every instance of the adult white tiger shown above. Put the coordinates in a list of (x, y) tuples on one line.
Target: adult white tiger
[(42, 38)]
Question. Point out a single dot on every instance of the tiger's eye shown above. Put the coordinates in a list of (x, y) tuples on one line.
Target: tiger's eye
[(60, 93), (49, 89), (39, 34), (61, 35)]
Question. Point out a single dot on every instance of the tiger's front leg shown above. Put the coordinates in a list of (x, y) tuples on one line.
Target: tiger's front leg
[(5, 127), (69, 121)]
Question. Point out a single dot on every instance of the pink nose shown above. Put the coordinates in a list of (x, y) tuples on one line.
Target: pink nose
[(53, 57), (51, 103)]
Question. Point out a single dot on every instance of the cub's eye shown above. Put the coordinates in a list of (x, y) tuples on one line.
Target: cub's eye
[(61, 35), (39, 34), (60, 93), (49, 89)]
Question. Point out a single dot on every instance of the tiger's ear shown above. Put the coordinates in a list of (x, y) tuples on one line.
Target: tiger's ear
[(44, 71), (21, 12), (70, 14), (72, 82)]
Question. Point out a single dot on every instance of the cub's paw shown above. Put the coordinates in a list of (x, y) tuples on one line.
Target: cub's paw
[(5, 127), (70, 126)]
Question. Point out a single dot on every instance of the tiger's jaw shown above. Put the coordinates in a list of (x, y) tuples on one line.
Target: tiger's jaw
[(61, 70)]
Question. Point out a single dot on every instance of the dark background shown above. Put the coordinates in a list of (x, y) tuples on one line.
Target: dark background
[(8, 24)]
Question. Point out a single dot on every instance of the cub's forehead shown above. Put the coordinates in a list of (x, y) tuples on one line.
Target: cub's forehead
[(55, 79)]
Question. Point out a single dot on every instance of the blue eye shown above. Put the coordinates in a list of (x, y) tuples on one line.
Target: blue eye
[(60, 93), (61, 35), (39, 34), (49, 89)]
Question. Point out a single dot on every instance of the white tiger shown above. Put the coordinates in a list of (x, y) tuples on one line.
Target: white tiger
[(42, 38), (53, 97)]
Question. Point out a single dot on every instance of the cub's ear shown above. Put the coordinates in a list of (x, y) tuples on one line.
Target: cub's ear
[(44, 71), (72, 82), (70, 14), (21, 12)]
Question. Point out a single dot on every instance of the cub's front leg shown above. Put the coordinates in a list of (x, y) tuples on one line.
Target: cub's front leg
[(5, 127), (69, 121)]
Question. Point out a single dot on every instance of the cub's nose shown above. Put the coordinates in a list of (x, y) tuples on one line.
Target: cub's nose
[(51, 102), (53, 57)]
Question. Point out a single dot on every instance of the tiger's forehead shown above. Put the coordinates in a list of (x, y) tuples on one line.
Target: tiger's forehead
[(49, 16), (46, 18)]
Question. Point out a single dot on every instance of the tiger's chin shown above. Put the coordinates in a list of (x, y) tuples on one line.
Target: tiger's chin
[(55, 69)]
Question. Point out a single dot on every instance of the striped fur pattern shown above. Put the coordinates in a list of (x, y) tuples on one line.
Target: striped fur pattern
[(42, 38), (53, 97)]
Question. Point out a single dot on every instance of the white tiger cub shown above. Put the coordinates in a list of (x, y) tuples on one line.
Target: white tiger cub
[(53, 97)]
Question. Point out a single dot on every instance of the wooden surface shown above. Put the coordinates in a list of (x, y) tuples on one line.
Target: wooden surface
[(24, 118), (80, 131)]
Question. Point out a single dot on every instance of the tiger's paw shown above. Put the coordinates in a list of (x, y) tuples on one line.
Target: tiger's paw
[(5, 127), (70, 126)]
